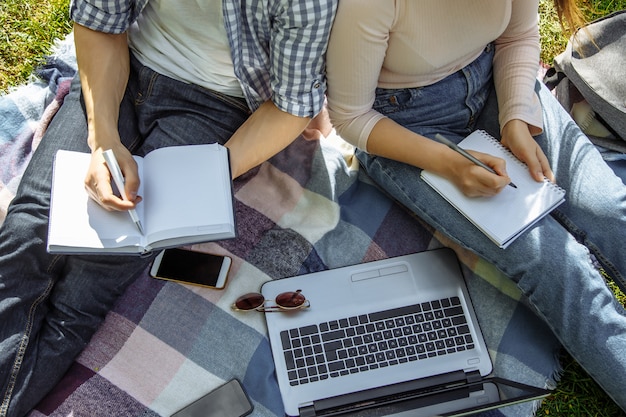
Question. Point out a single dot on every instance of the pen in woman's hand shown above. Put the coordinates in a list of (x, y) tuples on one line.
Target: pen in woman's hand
[(466, 154)]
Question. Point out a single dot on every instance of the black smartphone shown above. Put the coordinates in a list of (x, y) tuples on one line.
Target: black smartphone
[(228, 400), (191, 267)]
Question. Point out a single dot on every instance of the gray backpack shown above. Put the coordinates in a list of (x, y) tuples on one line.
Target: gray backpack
[(590, 80)]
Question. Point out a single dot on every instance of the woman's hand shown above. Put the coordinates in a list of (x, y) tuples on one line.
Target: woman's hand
[(319, 127), (474, 180), (516, 136), (98, 179)]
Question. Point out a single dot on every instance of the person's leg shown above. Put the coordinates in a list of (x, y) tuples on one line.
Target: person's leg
[(595, 215), (596, 206), (552, 269), (595, 209), (172, 113), (42, 322), (51, 305)]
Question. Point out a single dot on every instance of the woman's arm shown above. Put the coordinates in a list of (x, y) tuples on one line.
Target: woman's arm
[(390, 140), (356, 52)]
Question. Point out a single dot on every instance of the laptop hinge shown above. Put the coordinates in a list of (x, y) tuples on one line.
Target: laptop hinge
[(361, 400), (473, 376), (307, 410)]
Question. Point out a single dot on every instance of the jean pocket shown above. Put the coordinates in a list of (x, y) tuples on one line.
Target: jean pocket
[(392, 100), (146, 79), (238, 103)]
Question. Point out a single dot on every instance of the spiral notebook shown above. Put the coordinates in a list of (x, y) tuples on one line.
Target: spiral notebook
[(510, 213)]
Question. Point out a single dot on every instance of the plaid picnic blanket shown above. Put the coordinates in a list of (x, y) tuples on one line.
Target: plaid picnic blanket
[(309, 208)]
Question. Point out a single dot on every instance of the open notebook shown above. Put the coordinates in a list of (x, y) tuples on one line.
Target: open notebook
[(391, 337), (508, 214), (187, 198)]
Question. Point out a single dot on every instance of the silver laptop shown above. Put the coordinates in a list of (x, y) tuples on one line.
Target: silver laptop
[(392, 337)]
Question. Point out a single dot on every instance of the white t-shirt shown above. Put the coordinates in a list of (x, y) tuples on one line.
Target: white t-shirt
[(186, 41)]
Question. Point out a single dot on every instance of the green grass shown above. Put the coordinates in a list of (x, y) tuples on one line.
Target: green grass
[(553, 40), (29, 27), (27, 30)]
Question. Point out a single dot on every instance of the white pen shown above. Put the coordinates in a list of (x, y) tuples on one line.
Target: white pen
[(466, 154), (118, 178)]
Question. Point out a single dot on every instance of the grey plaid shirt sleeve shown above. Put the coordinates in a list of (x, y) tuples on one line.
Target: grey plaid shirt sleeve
[(278, 49), (109, 16), (297, 56)]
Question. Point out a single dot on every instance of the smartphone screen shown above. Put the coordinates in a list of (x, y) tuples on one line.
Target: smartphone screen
[(191, 267), (228, 400)]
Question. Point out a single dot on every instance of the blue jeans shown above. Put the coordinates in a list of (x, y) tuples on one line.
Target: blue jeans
[(550, 263), (51, 305)]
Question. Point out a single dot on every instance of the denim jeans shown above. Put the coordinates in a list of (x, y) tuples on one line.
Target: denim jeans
[(51, 305), (551, 262)]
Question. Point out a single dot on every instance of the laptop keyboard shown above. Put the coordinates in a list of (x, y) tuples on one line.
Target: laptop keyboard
[(376, 340)]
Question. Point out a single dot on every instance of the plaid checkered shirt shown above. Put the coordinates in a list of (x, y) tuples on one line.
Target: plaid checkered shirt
[(277, 46)]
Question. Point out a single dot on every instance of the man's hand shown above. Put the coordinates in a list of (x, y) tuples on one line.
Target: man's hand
[(103, 65), (98, 180)]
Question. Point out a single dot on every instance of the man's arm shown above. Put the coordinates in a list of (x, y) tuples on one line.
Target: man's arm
[(296, 49), (103, 65), (266, 132)]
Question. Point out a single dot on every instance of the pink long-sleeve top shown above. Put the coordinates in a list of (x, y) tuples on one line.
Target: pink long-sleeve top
[(414, 43)]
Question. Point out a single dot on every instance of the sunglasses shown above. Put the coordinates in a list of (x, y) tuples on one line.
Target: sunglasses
[(286, 301)]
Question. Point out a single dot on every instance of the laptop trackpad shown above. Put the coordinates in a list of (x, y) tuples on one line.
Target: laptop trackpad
[(392, 281)]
